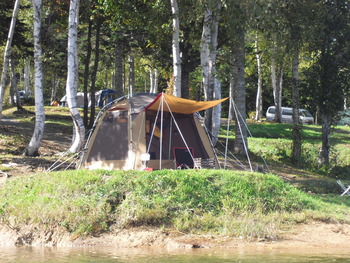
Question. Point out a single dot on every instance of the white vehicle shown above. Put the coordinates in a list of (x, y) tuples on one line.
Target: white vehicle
[(287, 114)]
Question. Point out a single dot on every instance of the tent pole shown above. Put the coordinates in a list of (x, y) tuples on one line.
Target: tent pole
[(227, 132), (240, 130), (131, 148), (170, 137), (153, 129), (161, 133)]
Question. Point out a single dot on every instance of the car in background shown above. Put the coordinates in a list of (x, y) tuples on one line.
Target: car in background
[(344, 117), (287, 115)]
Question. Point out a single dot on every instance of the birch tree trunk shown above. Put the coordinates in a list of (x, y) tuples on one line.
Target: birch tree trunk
[(277, 81), (26, 77), (258, 102), (131, 75), (7, 54), (55, 85), (176, 48), (14, 86), (34, 144), (72, 71), (155, 87), (211, 85), (151, 80), (213, 79)]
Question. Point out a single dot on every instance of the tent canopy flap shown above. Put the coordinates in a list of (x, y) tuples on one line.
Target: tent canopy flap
[(180, 105)]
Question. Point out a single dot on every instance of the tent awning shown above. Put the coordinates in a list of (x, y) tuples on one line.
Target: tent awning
[(180, 105)]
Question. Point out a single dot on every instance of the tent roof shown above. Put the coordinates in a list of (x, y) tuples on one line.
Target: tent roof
[(180, 105)]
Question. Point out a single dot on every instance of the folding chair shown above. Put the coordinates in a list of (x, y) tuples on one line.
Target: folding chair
[(345, 189)]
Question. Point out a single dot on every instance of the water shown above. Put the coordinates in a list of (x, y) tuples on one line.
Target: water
[(151, 255)]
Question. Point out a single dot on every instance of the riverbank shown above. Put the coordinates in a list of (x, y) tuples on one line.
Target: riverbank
[(315, 235)]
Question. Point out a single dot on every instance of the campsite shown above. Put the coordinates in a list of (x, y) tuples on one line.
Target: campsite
[(191, 202), (149, 125)]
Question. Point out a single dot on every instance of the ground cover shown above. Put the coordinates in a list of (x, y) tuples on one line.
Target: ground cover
[(237, 204)]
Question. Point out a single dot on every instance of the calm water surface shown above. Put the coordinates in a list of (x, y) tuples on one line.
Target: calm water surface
[(150, 255)]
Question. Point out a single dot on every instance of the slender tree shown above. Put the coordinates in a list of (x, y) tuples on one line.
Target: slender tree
[(72, 73), (34, 144), (259, 97), (7, 54), (176, 49), (211, 84), (94, 73)]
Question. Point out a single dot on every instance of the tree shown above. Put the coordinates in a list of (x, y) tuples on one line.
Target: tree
[(237, 30), (34, 144), (7, 54), (94, 73), (211, 84), (259, 98), (176, 49), (72, 78)]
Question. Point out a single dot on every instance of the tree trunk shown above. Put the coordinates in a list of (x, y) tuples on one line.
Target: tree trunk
[(185, 73), (94, 74), (326, 146), (72, 71), (206, 66), (34, 144), (241, 142), (295, 104), (213, 78), (119, 87), (276, 85), (14, 86), (212, 86), (7, 54), (86, 74), (155, 88), (26, 77), (176, 48), (258, 103), (55, 85), (151, 81), (131, 75)]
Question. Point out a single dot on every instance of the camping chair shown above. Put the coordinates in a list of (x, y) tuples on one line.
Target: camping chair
[(345, 189), (183, 158), (200, 163)]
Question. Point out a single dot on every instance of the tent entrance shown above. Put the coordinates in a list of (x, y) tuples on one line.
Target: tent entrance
[(178, 131)]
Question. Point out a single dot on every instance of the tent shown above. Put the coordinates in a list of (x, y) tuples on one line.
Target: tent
[(150, 131), (79, 98), (103, 97)]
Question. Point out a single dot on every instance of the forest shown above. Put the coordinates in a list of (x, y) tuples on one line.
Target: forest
[(261, 53)]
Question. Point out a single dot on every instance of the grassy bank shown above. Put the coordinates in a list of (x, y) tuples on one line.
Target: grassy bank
[(251, 205)]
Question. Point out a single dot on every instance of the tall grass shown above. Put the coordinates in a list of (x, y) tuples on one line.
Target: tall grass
[(197, 201)]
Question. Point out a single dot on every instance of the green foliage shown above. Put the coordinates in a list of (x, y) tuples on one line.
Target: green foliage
[(198, 201)]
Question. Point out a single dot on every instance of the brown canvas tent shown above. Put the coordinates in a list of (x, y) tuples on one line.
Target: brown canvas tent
[(149, 131)]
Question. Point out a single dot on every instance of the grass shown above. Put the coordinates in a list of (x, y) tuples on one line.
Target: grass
[(251, 205)]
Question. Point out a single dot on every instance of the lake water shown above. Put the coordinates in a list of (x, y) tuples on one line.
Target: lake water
[(151, 255)]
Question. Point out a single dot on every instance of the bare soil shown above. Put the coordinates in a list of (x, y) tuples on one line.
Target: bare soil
[(55, 142), (316, 236)]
